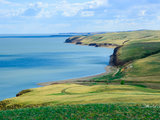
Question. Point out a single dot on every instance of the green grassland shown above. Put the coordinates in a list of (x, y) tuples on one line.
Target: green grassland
[(120, 37), (136, 80), (85, 112), (134, 51), (138, 57), (66, 94), (144, 71)]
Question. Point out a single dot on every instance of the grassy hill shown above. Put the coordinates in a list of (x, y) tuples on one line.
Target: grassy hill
[(118, 38), (136, 79), (137, 55), (66, 94)]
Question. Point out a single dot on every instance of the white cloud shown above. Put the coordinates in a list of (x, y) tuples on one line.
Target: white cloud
[(87, 13), (142, 13), (69, 9), (37, 10), (5, 2), (72, 9), (11, 13), (16, 12), (44, 13), (44, 9), (105, 16), (97, 3), (61, 25), (158, 17), (39, 5), (101, 2)]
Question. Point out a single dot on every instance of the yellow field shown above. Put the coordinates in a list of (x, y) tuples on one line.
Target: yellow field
[(80, 94), (120, 37)]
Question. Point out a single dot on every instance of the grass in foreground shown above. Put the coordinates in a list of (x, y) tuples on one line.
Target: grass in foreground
[(67, 94), (85, 112)]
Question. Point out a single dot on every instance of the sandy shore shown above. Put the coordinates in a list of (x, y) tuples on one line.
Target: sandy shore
[(108, 69)]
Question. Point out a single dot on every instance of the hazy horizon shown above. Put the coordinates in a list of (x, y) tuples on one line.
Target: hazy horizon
[(64, 16), (61, 33)]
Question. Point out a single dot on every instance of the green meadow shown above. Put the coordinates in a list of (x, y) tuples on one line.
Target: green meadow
[(138, 57), (120, 37), (67, 94)]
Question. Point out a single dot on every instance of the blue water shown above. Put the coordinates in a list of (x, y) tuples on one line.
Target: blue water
[(24, 62)]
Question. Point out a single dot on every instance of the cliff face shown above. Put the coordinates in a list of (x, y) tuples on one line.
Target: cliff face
[(75, 39), (113, 58), (72, 40), (79, 40)]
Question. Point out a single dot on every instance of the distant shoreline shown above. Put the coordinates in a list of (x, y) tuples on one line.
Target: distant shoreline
[(33, 36)]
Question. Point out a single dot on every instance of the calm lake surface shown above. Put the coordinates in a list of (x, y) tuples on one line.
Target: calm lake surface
[(26, 61)]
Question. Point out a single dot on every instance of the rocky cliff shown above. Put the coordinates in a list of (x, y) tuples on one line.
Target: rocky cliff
[(79, 41)]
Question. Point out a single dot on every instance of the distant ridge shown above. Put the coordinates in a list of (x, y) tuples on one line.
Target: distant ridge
[(83, 33)]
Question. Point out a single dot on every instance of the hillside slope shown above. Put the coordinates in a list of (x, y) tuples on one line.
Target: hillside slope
[(137, 53), (67, 94), (115, 39)]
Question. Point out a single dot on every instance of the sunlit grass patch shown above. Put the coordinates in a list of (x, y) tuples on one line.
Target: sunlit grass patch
[(81, 94)]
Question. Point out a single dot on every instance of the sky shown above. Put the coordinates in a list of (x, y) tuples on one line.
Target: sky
[(60, 16)]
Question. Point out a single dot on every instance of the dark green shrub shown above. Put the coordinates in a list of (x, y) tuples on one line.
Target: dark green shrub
[(122, 82), (23, 92)]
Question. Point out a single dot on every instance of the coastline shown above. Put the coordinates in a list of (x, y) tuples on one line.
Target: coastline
[(108, 69)]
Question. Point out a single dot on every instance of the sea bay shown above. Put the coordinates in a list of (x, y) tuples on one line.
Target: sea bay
[(27, 61)]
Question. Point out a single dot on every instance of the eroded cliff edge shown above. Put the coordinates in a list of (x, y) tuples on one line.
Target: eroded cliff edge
[(81, 40), (78, 40)]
